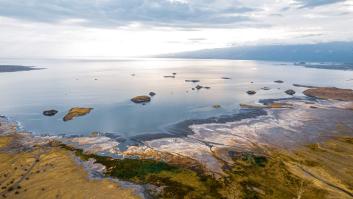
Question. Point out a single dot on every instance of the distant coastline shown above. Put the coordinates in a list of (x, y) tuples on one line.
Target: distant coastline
[(17, 68), (331, 52)]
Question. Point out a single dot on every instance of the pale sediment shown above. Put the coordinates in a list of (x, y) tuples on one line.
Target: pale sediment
[(205, 140), (284, 128)]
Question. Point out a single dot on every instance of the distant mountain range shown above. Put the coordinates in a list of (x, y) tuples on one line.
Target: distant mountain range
[(321, 52)]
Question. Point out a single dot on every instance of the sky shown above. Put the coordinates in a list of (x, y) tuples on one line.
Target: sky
[(133, 28)]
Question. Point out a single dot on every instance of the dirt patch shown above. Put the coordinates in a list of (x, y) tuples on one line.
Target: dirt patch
[(50, 173)]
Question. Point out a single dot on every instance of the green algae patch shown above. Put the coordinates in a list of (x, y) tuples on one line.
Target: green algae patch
[(133, 168), (176, 182), (329, 164), (259, 176), (318, 170)]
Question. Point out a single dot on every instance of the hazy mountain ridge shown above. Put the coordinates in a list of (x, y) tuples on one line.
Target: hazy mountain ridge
[(321, 52)]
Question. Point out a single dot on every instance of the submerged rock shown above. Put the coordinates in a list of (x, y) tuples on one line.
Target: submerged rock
[(251, 106), (279, 105), (330, 93), (50, 112), (192, 80), (76, 112), (198, 87), (152, 94), (266, 88), (251, 92), (271, 106), (290, 92), (304, 86), (279, 81), (216, 106), (141, 99)]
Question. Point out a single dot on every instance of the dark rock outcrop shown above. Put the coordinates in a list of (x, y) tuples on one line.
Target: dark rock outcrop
[(266, 88), (50, 112), (290, 92), (279, 81), (192, 80), (251, 92), (198, 87)]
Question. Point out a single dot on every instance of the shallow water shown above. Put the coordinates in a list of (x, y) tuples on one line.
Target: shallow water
[(70, 83)]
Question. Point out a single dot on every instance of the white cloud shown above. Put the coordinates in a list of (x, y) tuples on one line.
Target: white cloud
[(51, 28)]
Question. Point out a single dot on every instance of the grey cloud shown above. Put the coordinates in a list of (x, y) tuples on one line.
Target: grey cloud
[(197, 39), (316, 3), (197, 13), (311, 35)]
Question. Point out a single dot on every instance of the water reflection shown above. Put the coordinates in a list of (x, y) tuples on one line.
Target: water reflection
[(107, 86)]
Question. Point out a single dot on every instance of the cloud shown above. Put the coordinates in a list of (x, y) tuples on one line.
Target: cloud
[(181, 13), (316, 3), (142, 27)]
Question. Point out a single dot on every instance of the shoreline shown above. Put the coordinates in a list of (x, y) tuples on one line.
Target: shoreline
[(215, 147), (180, 130)]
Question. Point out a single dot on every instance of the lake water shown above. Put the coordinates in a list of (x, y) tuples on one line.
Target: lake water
[(107, 85)]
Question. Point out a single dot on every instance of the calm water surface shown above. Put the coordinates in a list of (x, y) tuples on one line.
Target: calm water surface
[(107, 86)]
